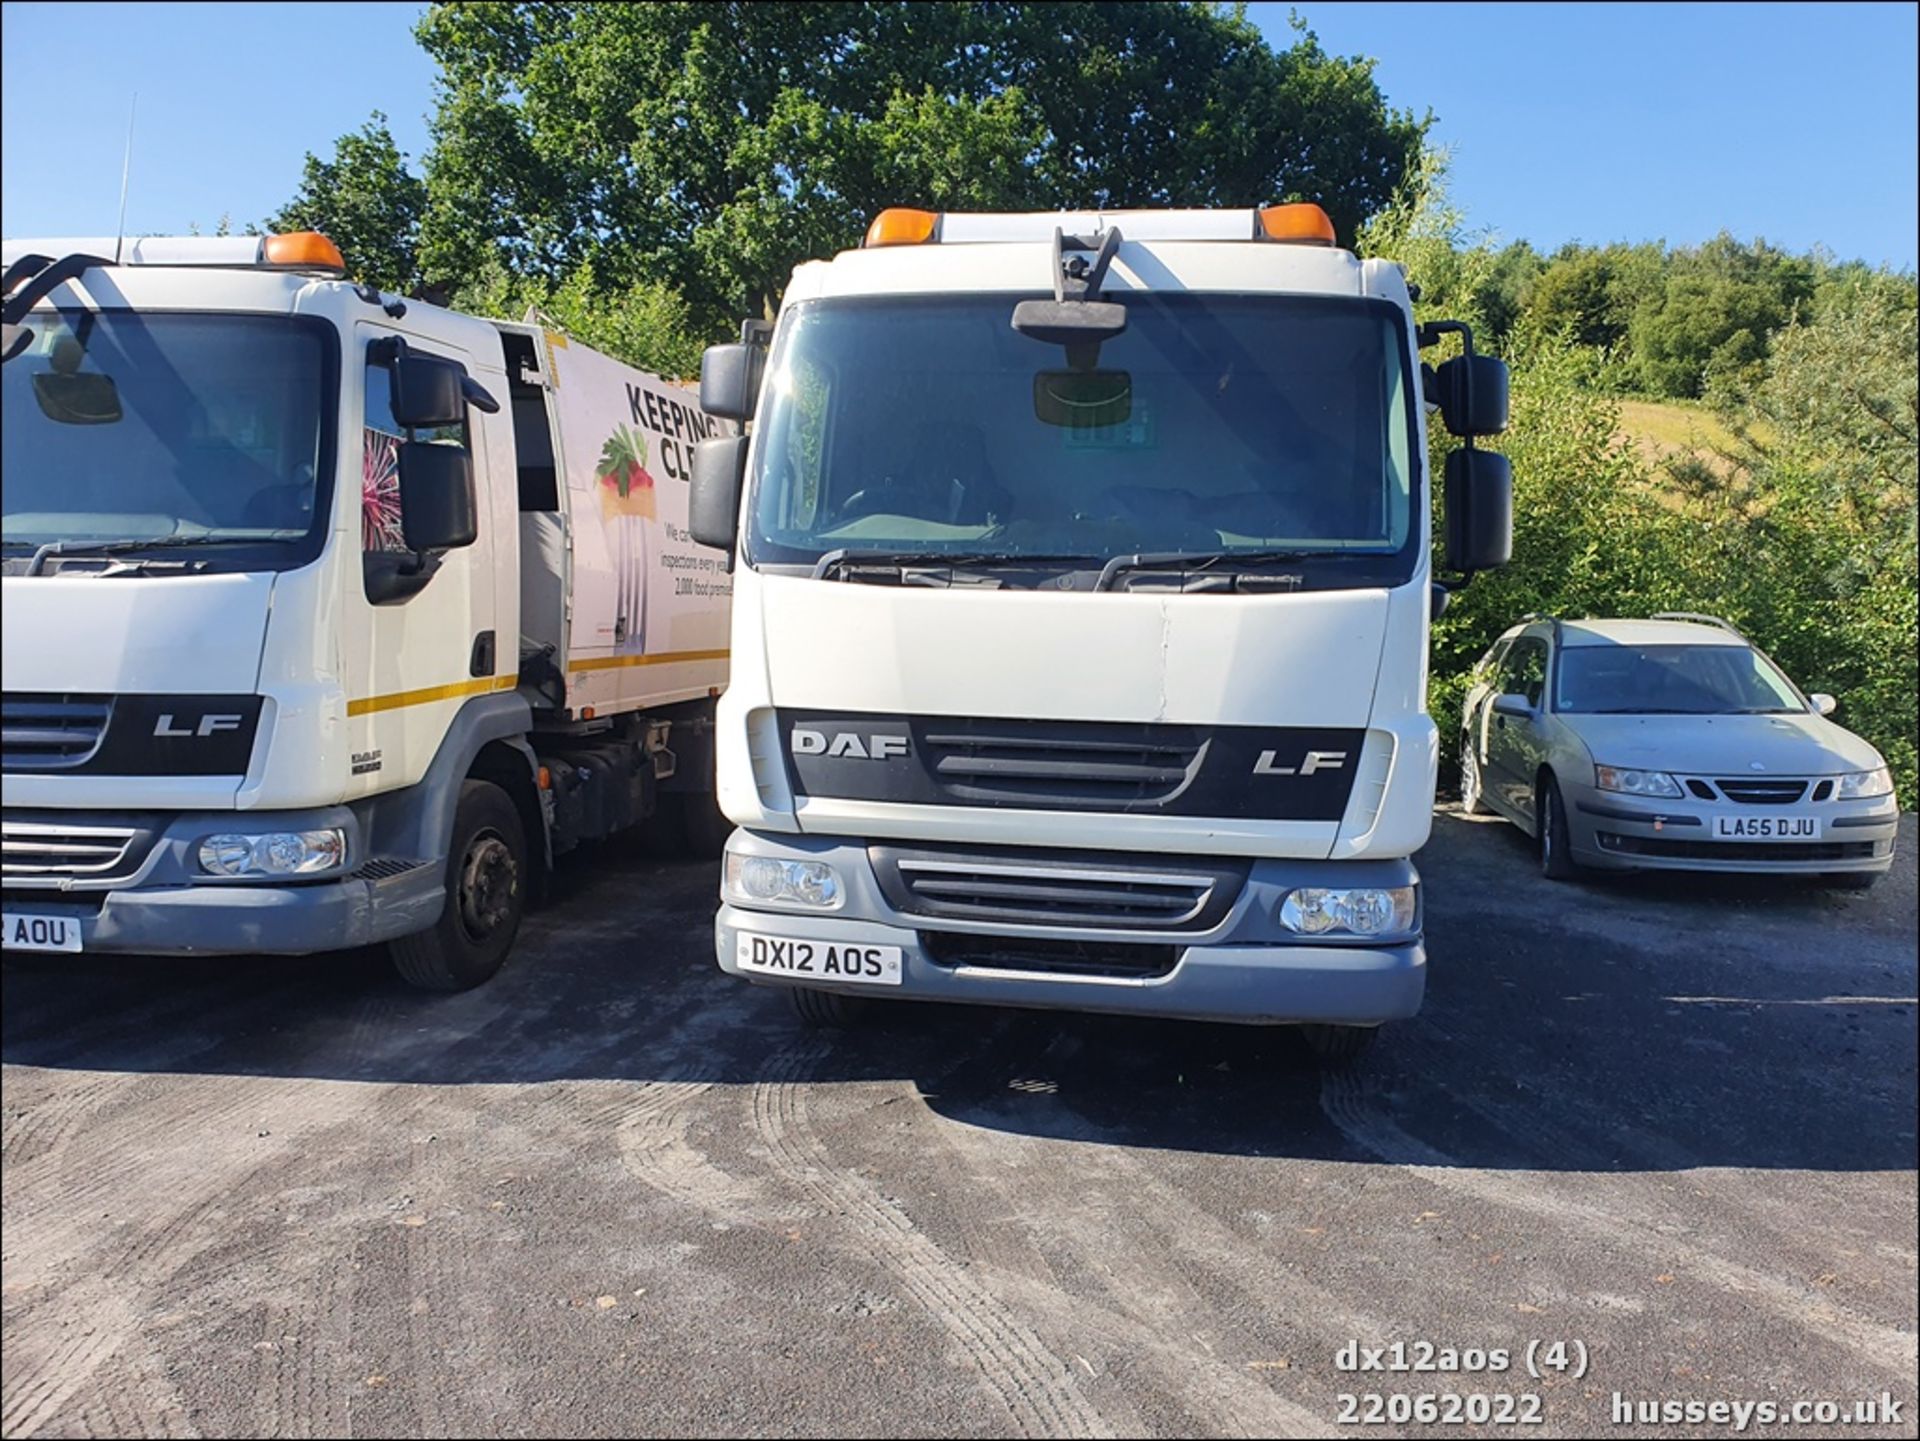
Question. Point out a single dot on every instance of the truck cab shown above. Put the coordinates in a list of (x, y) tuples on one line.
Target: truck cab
[(1083, 584), (331, 618)]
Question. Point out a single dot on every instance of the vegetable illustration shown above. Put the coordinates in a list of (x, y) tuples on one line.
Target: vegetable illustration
[(626, 487)]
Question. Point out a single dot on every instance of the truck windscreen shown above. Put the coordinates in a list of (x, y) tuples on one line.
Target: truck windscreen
[(1212, 424), (149, 430)]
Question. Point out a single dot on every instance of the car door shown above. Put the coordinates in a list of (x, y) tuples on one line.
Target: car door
[(1477, 714), (1516, 743)]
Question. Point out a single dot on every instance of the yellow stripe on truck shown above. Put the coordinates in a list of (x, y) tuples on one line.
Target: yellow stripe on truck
[(369, 704), (671, 657)]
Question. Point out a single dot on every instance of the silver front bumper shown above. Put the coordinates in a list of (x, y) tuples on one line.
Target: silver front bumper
[(1244, 968)]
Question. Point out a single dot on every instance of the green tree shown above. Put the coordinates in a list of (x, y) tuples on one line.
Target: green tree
[(1721, 302), (710, 146), (645, 323), (368, 203)]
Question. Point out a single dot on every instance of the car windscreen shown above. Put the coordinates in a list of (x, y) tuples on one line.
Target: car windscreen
[(169, 429), (1671, 680), (1211, 423)]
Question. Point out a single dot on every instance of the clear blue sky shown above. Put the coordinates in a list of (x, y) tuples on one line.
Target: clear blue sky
[(1591, 122)]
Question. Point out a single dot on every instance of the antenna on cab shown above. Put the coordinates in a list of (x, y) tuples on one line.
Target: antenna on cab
[(126, 173)]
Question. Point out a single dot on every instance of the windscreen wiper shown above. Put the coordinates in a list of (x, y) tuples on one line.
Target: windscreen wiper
[(84, 550), (1194, 560), (844, 562)]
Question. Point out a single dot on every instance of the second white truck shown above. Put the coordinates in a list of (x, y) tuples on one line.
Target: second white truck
[(1081, 613), (330, 618)]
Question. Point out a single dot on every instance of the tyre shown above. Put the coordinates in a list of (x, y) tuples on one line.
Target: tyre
[(1471, 802), (704, 827), (828, 1010), (487, 876), (1556, 849), (1336, 1046), (1852, 880)]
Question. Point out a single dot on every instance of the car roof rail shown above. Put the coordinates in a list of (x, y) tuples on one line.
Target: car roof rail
[(1533, 615), (1700, 618)]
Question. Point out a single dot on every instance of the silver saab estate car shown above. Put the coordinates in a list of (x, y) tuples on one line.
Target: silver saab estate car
[(1670, 743)]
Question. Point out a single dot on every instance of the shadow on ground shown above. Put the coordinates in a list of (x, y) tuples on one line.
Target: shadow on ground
[(1654, 1023)]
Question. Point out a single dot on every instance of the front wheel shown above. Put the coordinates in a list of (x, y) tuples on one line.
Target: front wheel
[(486, 897), (1556, 850), (828, 1010), (1472, 801), (1337, 1046), (1852, 880)]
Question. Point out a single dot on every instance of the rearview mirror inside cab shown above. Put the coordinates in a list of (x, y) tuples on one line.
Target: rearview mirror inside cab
[(1083, 399)]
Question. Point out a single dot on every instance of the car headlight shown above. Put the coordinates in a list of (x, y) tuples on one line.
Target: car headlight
[(1636, 783), (1861, 784), (273, 853), (1356, 910), (770, 881)]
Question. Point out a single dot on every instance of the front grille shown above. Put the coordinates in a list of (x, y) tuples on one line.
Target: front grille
[(51, 732), (31, 853), (1752, 792), (1116, 960), (1062, 888), (1759, 852), (1038, 763)]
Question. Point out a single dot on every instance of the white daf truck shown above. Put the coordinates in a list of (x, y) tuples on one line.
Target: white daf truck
[(330, 618), (1082, 594)]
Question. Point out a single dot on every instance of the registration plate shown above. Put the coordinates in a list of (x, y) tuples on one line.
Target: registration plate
[(841, 961), (23, 932), (1766, 828)]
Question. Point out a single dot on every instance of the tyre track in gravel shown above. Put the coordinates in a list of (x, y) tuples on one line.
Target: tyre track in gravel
[(1038, 1392), (114, 1278), (1550, 1125), (1353, 1103)]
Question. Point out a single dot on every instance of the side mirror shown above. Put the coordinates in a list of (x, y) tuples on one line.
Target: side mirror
[(428, 392), (730, 377), (1472, 391), (1479, 510), (437, 509), (1513, 704), (719, 471), (1823, 704)]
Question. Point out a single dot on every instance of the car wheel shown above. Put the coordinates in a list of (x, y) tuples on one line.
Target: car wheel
[(486, 897), (828, 1010), (1852, 880), (1556, 851), (1471, 802), (1337, 1046)]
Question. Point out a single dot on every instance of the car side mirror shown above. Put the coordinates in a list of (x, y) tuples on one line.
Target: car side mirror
[(1823, 704), (437, 510), (1479, 497), (730, 377), (428, 392), (1513, 704), (713, 500), (1472, 391)]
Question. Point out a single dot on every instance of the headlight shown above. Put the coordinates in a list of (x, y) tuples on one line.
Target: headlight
[(1357, 910), (275, 853), (1636, 783), (767, 880), (1861, 784)]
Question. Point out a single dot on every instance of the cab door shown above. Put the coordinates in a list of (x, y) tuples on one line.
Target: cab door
[(418, 651)]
